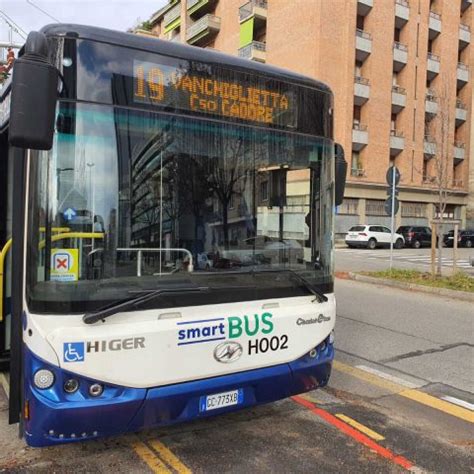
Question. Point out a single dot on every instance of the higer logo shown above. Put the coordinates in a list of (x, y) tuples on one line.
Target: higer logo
[(126, 344)]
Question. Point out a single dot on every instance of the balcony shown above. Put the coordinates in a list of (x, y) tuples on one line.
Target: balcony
[(172, 15), (402, 13), (256, 51), (399, 99), (256, 9), (360, 137), (197, 8), (203, 30), (358, 173), (434, 28), (361, 90), (397, 142), (400, 56), (363, 45), (462, 75), (464, 36), (429, 147), (465, 4), (459, 151), (364, 7), (461, 113), (431, 105), (432, 66)]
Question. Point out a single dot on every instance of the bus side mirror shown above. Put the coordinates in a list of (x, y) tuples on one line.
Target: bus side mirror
[(340, 174), (33, 96)]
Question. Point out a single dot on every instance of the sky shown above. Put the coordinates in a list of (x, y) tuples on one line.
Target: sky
[(113, 14)]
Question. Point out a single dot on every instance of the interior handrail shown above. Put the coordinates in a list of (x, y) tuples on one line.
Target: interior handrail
[(3, 254)]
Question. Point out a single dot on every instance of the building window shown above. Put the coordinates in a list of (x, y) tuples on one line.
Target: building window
[(413, 209), (349, 207), (374, 207), (264, 191)]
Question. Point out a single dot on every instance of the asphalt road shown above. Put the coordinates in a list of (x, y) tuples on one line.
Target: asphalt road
[(401, 397), (412, 259)]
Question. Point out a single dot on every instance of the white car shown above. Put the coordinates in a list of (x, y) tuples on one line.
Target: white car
[(372, 236), (204, 261)]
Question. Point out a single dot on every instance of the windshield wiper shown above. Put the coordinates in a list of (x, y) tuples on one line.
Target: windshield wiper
[(319, 296), (131, 303)]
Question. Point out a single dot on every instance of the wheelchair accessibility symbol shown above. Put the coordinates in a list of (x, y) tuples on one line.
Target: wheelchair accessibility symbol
[(73, 351)]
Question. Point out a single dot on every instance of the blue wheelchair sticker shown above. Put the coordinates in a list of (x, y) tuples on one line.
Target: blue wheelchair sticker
[(73, 351)]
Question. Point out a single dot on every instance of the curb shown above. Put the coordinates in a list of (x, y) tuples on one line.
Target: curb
[(459, 295)]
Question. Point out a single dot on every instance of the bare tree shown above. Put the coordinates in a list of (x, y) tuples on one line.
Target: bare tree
[(439, 145), (224, 173)]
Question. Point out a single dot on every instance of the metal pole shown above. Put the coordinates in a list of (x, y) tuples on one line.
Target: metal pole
[(139, 263), (455, 247), (433, 248), (161, 205), (392, 217)]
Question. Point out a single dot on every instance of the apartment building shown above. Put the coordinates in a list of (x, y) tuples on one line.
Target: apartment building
[(401, 74)]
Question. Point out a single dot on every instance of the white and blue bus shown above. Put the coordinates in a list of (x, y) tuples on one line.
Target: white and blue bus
[(168, 234)]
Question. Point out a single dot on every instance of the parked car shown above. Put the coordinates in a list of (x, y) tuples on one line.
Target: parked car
[(415, 236), (372, 236), (204, 261), (465, 238)]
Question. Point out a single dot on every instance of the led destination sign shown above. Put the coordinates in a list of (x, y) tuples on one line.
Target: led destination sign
[(167, 86)]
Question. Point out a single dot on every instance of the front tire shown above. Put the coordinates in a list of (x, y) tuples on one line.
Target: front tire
[(399, 244), (372, 244)]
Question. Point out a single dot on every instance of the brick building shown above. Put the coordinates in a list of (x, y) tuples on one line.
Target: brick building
[(400, 71)]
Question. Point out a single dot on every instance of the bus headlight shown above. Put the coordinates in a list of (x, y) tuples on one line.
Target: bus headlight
[(43, 379), (95, 390), (71, 386)]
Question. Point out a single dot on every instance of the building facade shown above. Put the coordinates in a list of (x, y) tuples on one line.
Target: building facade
[(401, 75)]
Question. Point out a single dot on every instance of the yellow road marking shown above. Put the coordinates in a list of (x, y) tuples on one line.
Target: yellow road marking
[(434, 402), (150, 458), (359, 426), (368, 377), (167, 456), (412, 394)]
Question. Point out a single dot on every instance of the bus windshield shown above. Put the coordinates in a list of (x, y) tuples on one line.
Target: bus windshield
[(130, 201)]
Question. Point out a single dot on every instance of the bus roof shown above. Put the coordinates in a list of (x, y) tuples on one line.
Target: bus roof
[(169, 48)]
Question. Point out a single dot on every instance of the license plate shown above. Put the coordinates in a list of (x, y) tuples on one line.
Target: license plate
[(352, 235), (220, 400), (450, 238)]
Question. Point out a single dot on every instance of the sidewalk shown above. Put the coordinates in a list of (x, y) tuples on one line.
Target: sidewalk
[(459, 295)]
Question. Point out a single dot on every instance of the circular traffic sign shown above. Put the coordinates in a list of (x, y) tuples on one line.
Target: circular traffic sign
[(390, 173)]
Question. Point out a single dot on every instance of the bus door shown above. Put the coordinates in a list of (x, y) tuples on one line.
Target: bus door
[(5, 251)]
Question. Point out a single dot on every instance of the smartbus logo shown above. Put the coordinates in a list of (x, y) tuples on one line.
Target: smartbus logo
[(216, 329)]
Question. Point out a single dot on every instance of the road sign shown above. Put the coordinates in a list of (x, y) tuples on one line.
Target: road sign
[(69, 214), (388, 206), (389, 176)]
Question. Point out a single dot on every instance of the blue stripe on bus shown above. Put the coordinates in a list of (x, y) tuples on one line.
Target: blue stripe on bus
[(202, 340)]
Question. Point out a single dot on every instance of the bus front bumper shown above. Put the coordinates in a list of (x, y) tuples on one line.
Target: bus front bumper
[(52, 416)]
